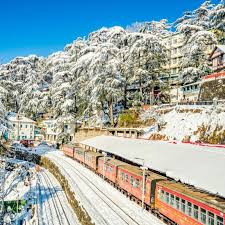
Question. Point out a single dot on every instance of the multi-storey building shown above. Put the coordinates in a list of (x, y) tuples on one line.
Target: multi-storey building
[(174, 44), (22, 127)]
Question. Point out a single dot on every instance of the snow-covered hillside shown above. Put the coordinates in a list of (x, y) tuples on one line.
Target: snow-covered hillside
[(92, 77), (188, 123)]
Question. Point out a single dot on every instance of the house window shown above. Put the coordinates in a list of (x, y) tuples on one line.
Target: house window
[(196, 212), (14, 125), (203, 216), (26, 126), (31, 126), (21, 125)]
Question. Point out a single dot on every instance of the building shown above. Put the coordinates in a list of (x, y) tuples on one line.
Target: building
[(218, 58), (51, 132), (191, 91), (22, 127), (174, 44)]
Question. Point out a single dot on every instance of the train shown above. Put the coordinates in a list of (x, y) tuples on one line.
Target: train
[(173, 202)]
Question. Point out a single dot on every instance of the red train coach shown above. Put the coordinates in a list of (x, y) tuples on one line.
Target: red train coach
[(68, 150), (91, 159), (130, 179), (111, 167), (186, 206), (79, 154)]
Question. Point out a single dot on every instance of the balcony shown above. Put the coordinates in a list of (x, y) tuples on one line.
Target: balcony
[(219, 66)]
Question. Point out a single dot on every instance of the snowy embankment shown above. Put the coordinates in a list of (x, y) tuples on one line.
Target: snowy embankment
[(50, 206), (191, 123), (104, 203)]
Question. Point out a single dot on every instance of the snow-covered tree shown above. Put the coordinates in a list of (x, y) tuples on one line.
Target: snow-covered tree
[(195, 27), (217, 20)]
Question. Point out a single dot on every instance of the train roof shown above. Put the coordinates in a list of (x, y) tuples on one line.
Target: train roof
[(137, 170), (113, 161), (199, 166), (96, 154), (200, 196)]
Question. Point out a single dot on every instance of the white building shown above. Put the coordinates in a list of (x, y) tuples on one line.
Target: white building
[(51, 131), (22, 127)]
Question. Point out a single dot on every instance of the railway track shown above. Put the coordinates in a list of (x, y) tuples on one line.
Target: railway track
[(116, 209), (57, 207)]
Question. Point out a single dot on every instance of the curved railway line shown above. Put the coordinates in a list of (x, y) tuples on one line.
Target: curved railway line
[(53, 203), (115, 208)]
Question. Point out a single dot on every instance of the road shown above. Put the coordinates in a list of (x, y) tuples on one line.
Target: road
[(53, 207), (104, 204)]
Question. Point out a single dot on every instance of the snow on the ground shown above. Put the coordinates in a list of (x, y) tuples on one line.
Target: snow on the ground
[(53, 206), (178, 125), (15, 187), (200, 166), (92, 193)]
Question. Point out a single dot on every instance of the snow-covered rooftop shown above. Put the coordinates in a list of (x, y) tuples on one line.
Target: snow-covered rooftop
[(17, 117), (200, 166)]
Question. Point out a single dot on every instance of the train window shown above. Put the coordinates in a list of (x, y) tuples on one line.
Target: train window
[(137, 183), (183, 205), (122, 175), (219, 220), (203, 216), (126, 178), (189, 208), (211, 219), (162, 195), (172, 200), (196, 212), (167, 197), (132, 180), (177, 203)]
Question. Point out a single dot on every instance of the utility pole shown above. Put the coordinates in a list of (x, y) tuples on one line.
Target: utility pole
[(103, 173), (2, 187), (143, 168)]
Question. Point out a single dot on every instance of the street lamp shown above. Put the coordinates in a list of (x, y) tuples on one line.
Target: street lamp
[(143, 168), (104, 154), (143, 186)]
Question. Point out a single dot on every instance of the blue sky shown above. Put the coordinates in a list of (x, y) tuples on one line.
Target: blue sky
[(44, 26)]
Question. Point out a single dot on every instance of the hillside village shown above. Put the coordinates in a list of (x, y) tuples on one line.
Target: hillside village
[(124, 126), (116, 72)]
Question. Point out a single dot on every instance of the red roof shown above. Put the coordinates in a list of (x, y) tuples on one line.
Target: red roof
[(215, 75)]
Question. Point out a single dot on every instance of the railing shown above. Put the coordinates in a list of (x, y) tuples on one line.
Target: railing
[(200, 103)]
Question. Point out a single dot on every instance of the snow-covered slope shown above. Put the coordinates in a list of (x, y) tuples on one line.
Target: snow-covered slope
[(193, 123)]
